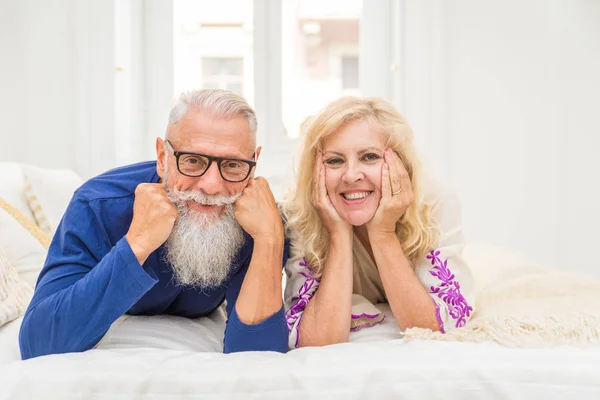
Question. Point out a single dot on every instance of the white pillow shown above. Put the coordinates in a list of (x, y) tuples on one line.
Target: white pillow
[(53, 189), (9, 342), (14, 293), (204, 334), (12, 187), (24, 252)]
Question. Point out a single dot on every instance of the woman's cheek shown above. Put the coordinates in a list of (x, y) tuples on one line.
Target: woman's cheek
[(332, 179), (375, 176)]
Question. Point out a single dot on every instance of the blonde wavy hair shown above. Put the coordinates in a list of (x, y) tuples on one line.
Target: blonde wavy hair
[(416, 230)]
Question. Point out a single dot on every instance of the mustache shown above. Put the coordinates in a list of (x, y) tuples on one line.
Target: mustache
[(179, 197)]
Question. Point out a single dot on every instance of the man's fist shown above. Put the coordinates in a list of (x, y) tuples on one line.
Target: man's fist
[(154, 216), (256, 211)]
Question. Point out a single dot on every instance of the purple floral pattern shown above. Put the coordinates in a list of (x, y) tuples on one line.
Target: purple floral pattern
[(448, 291), (301, 299), (364, 315)]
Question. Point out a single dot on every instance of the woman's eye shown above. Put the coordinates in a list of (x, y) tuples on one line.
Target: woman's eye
[(334, 161), (371, 157)]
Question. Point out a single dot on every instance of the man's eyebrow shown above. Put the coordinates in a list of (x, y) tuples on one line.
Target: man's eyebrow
[(239, 156)]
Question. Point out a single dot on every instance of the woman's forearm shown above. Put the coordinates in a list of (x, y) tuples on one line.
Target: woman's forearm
[(327, 316), (410, 302)]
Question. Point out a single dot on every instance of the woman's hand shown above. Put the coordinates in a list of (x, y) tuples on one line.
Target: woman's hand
[(333, 223), (396, 196)]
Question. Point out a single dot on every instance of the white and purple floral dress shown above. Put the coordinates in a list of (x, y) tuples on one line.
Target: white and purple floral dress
[(443, 272)]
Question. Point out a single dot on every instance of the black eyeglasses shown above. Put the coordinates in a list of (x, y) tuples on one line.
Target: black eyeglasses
[(195, 165)]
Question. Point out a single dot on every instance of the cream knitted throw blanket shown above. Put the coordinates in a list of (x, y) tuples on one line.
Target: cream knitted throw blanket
[(528, 306)]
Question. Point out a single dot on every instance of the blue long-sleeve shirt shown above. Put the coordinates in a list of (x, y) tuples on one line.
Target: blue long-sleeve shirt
[(91, 277)]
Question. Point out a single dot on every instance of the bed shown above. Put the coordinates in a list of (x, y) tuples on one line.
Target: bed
[(183, 361)]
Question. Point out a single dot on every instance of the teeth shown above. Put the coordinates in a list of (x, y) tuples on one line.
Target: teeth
[(355, 196)]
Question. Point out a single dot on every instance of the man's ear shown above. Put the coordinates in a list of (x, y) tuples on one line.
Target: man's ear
[(160, 157), (258, 149), (256, 155)]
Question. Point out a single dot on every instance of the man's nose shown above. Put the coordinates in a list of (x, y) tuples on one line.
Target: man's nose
[(211, 182)]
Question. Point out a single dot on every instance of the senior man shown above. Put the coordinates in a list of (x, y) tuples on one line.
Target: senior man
[(176, 236)]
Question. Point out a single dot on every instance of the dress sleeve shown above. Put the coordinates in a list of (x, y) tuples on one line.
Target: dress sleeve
[(444, 272), (300, 288)]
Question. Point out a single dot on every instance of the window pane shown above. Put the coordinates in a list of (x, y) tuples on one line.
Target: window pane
[(222, 66), (235, 87), (320, 56), (223, 73), (213, 45), (210, 85)]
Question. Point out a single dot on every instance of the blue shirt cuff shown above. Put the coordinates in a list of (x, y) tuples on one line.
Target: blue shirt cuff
[(234, 321), (144, 276), (268, 335)]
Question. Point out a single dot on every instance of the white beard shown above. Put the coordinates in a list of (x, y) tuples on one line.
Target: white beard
[(202, 246)]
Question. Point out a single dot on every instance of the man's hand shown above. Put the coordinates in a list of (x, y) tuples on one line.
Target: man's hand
[(260, 295), (154, 216), (256, 211)]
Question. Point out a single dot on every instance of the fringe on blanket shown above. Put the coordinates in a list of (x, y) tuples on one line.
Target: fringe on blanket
[(521, 332), (530, 307)]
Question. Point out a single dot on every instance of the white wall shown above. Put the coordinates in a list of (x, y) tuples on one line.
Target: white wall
[(37, 76), (504, 98), (57, 78)]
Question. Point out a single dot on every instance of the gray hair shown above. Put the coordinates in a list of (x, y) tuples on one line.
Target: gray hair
[(221, 103)]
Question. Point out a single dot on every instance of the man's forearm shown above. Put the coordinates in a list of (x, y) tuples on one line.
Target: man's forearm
[(72, 311), (261, 293)]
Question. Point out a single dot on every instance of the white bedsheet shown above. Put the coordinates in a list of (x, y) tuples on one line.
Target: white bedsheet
[(168, 357), (377, 364)]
